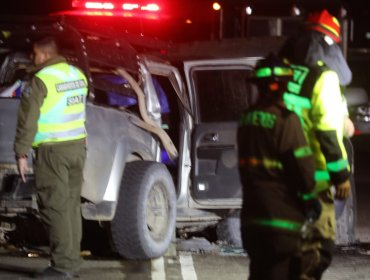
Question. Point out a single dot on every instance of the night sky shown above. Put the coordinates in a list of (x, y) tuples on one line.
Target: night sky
[(261, 6), (205, 21)]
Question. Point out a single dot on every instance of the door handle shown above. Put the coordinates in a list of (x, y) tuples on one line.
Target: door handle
[(211, 137)]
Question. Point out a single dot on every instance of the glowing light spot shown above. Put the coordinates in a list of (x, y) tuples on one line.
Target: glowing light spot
[(216, 6)]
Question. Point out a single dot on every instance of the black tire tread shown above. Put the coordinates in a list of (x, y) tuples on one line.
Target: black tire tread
[(125, 227)]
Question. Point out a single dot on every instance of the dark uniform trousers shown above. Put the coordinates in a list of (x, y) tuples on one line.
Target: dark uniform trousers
[(273, 256), (58, 172)]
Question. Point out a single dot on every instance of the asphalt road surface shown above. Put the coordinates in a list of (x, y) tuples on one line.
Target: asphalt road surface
[(349, 263), (196, 259)]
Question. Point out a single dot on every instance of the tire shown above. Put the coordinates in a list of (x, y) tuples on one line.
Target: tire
[(228, 230), (145, 218)]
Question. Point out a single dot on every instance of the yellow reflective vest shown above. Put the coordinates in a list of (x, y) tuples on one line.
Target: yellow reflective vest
[(316, 97), (62, 114)]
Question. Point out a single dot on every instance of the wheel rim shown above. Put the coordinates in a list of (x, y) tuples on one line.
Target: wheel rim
[(157, 214)]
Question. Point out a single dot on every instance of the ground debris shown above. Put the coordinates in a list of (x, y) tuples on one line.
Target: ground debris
[(197, 244), (354, 249), (227, 250)]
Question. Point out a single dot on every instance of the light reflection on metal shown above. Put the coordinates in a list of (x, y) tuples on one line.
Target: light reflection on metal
[(248, 10), (188, 21)]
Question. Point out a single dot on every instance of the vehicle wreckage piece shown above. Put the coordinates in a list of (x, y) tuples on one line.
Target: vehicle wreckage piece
[(148, 123)]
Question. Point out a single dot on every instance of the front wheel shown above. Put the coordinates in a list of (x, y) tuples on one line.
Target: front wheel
[(145, 218)]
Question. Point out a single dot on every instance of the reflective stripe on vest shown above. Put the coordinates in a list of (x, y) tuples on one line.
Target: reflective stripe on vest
[(62, 115)]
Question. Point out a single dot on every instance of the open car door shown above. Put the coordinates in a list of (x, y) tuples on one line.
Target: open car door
[(220, 92)]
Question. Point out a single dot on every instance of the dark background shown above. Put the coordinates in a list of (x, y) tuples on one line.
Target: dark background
[(206, 21)]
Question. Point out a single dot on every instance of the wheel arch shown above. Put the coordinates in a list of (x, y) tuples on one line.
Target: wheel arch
[(101, 202)]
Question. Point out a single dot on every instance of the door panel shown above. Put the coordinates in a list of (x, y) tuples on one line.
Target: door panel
[(220, 94), (216, 170)]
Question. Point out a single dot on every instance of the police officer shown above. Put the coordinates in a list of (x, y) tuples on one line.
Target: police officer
[(277, 172), (315, 95), (51, 120)]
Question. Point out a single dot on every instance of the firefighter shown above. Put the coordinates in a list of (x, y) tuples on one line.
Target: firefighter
[(277, 172), (315, 95), (319, 41), (51, 120)]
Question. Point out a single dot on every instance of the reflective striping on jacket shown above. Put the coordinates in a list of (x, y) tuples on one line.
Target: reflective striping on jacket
[(322, 178), (265, 162), (70, 135), (293, 99), (277, 223), (322, 175), (273, 71), (300, 74), (62, 115), (51, 127), (337, 166), (297, 103), (308, 196), (303, 152)]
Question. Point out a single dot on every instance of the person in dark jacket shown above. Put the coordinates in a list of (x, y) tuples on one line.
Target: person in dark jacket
[(277, 172)]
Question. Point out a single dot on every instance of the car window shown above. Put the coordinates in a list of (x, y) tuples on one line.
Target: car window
[(223, 94)]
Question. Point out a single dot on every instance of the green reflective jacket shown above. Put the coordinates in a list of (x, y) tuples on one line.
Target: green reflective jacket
[(316, 97)]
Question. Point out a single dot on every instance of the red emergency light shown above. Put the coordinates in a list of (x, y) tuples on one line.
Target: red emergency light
[(99, 5), (130, 7), (152, 7), (139, 9), (116, 6)]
